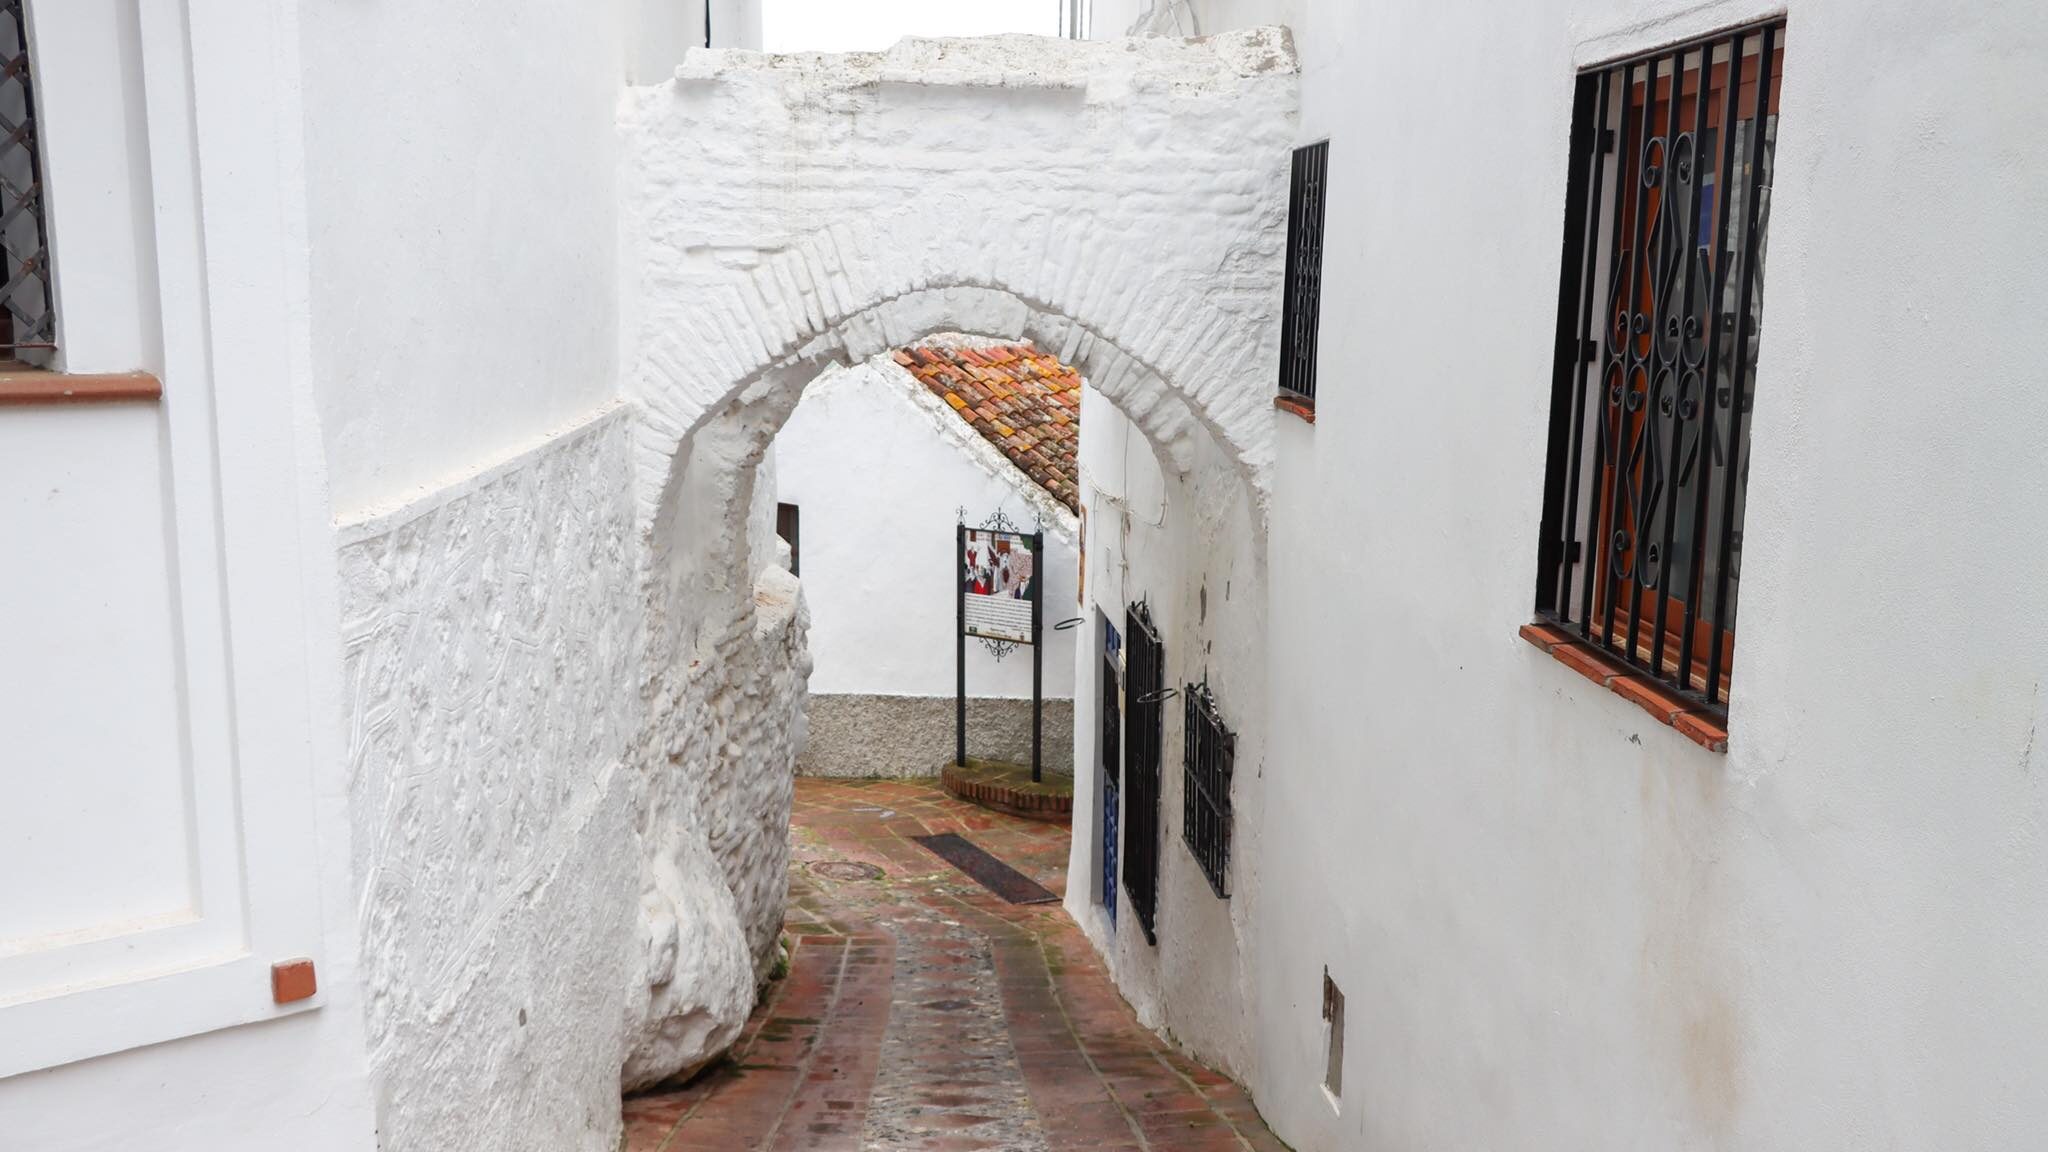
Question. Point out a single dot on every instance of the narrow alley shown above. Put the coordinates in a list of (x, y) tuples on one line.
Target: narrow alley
[(923, 1012)]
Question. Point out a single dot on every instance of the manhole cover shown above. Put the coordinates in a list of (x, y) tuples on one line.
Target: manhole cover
[(846, 870)]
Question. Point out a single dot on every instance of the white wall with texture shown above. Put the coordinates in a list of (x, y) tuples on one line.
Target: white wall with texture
[(1191, 546), (1557, 923), (880, 468)]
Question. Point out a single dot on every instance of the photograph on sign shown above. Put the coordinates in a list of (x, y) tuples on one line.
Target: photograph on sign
[(997, 572)]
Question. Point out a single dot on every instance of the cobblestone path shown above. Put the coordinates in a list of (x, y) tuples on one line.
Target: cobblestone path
[(923, 1014)]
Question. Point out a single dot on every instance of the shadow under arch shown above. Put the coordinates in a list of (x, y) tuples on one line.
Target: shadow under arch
[(701, 556)]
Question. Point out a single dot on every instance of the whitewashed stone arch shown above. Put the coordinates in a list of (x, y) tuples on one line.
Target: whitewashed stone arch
[(1122, 203)]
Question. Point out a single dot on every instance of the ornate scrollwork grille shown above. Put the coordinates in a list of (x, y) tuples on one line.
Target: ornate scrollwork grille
[(1208, 760), (28, 316), (1659, 313), (1302, 307)]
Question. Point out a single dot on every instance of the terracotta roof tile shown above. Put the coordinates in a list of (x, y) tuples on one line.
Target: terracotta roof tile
[(1021, 400)]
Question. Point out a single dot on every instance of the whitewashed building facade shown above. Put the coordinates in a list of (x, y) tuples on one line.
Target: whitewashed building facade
[(873, 473), (1557, 910), (403, 608)]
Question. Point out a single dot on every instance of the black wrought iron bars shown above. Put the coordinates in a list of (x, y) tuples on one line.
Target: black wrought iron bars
[(1659, 308)]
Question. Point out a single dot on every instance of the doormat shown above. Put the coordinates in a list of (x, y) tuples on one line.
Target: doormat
[(987, 871)]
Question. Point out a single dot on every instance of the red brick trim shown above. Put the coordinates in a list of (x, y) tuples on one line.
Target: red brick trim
[(292, 981), (1700, 727), (1301, 406), (1048, 807), (20, 386)]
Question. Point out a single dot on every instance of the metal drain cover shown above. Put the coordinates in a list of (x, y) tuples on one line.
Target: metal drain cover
[(846, 870)]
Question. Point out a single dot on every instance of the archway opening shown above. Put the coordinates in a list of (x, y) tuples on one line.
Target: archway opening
[(732, 624)]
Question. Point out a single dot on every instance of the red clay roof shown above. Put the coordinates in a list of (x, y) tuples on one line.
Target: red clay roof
[(1023, 401)]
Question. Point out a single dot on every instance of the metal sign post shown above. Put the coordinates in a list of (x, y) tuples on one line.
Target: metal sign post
[(1000, 600), (1037, 652), (960, 651)]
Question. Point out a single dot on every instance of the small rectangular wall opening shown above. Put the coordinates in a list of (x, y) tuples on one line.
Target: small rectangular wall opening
[(1333, 1031), (786, 527)]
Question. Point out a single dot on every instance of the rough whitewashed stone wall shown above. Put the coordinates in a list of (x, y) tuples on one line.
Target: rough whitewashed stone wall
[(491, 645), (548, 906), (1122, 204), (716, 823)]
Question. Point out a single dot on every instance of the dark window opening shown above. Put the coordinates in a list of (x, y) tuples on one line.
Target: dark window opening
[(1110, 739), (28, 314), (786, 527), (1145, 693), (1333, 1022), (1301, 309), (1209, 758), (1660, 307)]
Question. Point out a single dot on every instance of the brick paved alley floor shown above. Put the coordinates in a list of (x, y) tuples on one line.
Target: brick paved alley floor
[(924, 1014)]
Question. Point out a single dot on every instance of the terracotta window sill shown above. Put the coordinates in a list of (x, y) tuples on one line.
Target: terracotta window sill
[(1701, 727), (1301, 406), (21, 385)]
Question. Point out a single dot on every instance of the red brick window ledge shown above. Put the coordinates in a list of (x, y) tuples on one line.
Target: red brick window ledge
[(1699, 726), (1302, 406), (21, 386)]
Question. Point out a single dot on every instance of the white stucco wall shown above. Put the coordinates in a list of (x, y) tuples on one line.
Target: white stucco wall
[(1557, 923), (1114, 18), (155, 102), (1192, 547), (879, 477), (462, 219)]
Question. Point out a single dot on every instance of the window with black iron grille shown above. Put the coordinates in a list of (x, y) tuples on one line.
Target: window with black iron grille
[(1660, 310), (1209, 757), (1145, 693), (1303, 296), (28, 318)]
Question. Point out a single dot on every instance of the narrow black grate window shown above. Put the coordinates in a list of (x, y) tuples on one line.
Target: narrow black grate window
[(1208, 761), (28, 317), (1144, 693), (1112, 748), (1660, 311), (1302, 306)]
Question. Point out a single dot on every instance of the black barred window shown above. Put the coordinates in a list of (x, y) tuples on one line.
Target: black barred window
[(1209, 758), (28, 316), (1301, 309), (1145, 692), (1660, 313)]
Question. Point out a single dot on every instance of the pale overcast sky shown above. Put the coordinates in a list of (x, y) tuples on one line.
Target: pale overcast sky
[(868, 25)]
